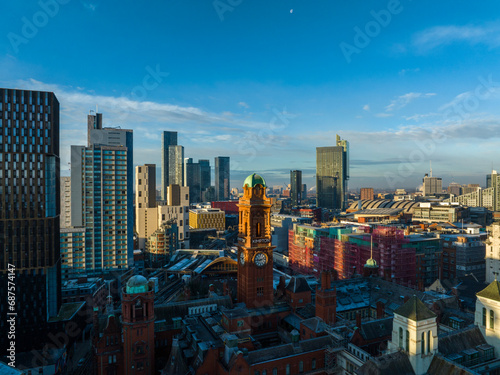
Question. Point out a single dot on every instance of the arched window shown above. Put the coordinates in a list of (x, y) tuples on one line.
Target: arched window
[(400, 338), (407, 343), (428, 341), (484, 316), (492, 319), (275, 371), (422, 343)]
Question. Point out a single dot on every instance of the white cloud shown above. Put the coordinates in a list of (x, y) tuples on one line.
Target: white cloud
[(384, 115), (404, 100), (403, 72), (366, 107), (487, 34), (243, 104)]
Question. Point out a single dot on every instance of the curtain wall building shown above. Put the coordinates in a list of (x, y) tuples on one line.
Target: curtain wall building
[(222, 178), (29, 213), (168, 139), (332, 174)]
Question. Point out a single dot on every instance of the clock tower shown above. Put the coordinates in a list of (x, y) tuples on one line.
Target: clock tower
[(255, 253)]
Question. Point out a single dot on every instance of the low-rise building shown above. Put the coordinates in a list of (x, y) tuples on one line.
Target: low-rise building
[(206, 218)]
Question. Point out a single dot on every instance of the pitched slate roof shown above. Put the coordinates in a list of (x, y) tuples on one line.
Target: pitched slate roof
[(443, 366), (492, 291), (281, 351), (458, 341), (315, 324), (377, 329), (298, 285), (389, 364), (415, 309)]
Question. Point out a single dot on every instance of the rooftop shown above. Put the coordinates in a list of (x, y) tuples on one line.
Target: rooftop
[(492, 291), (415, 309)]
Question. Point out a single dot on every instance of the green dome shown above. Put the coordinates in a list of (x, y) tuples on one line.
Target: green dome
[(137, 284), (253, 180), (372, 263)]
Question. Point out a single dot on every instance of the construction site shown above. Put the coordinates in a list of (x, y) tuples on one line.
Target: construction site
[(313, 250)]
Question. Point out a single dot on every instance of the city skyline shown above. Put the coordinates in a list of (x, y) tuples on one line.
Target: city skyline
[(385, 91)]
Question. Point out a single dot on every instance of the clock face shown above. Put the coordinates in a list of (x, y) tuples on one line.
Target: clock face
[(242, 258), (260, 259)]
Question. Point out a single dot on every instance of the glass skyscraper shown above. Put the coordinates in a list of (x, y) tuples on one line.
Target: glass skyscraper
[(332, 173), (29, 213), (296, 187), (168, 139), (222, 178)]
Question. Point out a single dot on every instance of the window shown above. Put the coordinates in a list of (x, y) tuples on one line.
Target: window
[(484, 317), (428, 341), (240, 323), (140, 181), (492, 319), (275, 371), (422, 343), (400, 338), (288, 369), (407, 343), (301, 366), (256, 373), (258, 230), (313, 364)]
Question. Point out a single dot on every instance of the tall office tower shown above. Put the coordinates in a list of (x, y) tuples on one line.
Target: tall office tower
[(332, 173), (296, 187), (168, 139), (29, 214), (102, 197), (175, 165), (304, 192), (65, 221), (222, 178), (192, 179), (206, 180), (184, 170), (432, 185), (145, 186), (366, 194)]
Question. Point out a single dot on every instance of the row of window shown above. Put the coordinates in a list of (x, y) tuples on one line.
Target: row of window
[(288, 368), (492, 318)]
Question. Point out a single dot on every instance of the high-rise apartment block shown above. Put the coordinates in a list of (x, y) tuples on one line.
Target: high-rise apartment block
[(168, 139), (176, 165), (366, 194), (150, 217), (145, 187), (332, 173), (296, 187), (222, 178), (102, 196), (29, 213), (65, 221)]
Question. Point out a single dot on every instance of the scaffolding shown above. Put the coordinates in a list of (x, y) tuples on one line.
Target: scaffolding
[(300, 255)]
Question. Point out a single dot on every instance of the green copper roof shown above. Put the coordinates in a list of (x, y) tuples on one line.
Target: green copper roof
[(372, 263), (253, 180), (137, 284), (415, 309), (492, 291)]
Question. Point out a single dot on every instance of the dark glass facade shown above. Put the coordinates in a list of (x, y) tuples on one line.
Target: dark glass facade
[(29, 212)]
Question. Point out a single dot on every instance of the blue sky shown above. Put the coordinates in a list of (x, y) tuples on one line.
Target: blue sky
[(265, 82)]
